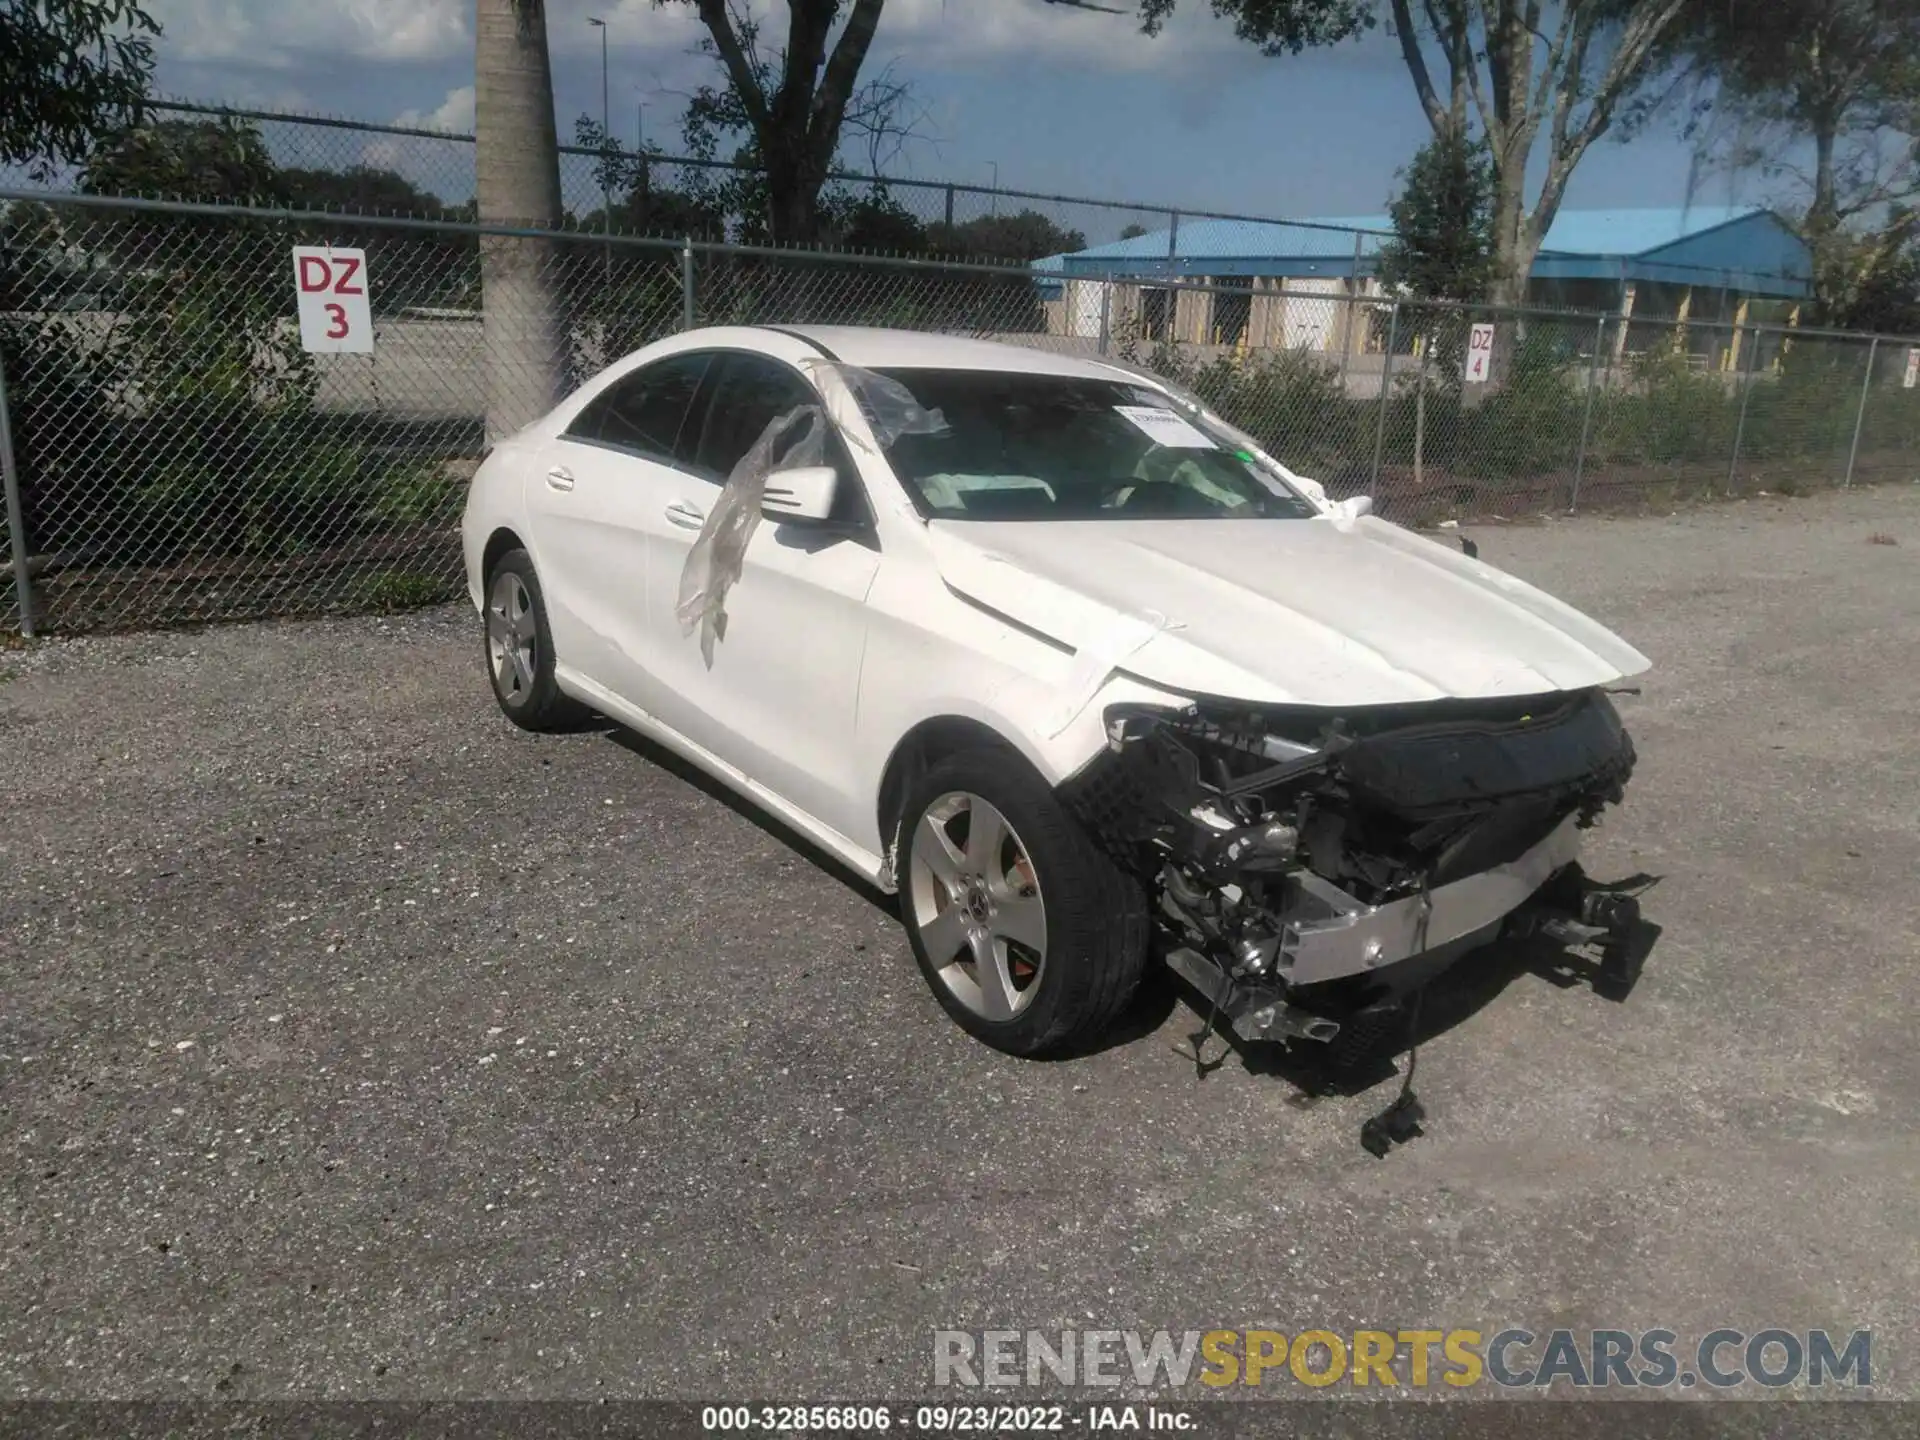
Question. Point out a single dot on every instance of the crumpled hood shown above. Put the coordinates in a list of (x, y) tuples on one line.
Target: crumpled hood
[(1305, 612)]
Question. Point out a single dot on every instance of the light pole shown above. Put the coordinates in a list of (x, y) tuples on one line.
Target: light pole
[(606, 143), (645, 189)]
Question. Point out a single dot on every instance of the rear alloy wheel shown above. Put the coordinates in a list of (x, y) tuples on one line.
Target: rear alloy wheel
[(1031, 938), (519, 649)]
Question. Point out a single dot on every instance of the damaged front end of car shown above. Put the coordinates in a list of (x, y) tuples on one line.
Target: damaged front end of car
[(1314, 868)]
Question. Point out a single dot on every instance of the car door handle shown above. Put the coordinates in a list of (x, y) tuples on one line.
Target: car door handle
[(685, 516), (559, 478)]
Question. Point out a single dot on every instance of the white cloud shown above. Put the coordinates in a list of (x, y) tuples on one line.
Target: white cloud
[(455, 113), (958, 33), (283, 34), (434, 163), (924, 33), (292, 53)]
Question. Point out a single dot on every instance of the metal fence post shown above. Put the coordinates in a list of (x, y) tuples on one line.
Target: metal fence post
[(1173, 237), (1586, 413), (1352, 313), (949, 214), (686, 284), (1386, 391), (1860, 416), (16, 521), (1746, 394), (1106, 315)]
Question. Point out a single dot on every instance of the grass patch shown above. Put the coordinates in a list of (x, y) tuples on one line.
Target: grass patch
[(405, 590)]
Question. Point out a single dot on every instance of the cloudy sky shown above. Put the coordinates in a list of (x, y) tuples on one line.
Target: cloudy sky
[(1059, 100)]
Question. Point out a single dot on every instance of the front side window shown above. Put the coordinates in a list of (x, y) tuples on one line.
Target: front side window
[(1056, 447), (749, 393), (645, 412)]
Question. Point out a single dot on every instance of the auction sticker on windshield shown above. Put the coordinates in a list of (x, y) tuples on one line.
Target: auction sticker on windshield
[(1166, 428)]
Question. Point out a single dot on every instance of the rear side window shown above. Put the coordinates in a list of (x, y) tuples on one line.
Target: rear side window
[(646, 411)]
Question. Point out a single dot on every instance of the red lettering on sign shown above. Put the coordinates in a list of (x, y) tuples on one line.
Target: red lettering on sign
[(314, 273), (339, 328), (352, 268)]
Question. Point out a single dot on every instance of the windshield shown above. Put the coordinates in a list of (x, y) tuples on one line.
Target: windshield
[(1019, 446)]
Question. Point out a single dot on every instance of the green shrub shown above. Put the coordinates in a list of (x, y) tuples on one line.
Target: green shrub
[(1665, 413), (1530, 425), (1292, 401), (1807, 410), (406, 590), (420, 494)]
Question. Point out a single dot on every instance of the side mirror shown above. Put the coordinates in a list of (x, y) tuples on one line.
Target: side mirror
[(1353, 507), (803, 495)]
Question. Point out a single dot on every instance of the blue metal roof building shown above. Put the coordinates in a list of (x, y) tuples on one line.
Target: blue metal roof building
[(1745, 249), (1312, 283)]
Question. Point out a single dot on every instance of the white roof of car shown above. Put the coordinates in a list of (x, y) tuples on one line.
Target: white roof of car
[(877, 349)]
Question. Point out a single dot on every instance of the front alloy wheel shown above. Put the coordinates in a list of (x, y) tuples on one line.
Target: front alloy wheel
[(1030, 936), (977, 903)]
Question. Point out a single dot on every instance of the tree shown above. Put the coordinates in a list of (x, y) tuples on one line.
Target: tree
[(1442, 249), (642, 206), (1887, 299), (222, 161), (71, 73), (1519, 69), (358, 190), (794, 104), (1132, 231), (877, 223), (1018, 238), (1442, 245), (517, 173), (1834, 80)]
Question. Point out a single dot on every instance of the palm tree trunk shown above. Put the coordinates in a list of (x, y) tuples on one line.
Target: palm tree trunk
[(517, 175)]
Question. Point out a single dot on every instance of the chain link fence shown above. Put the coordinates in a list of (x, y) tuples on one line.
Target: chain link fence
[(628, 185), (178, 457)]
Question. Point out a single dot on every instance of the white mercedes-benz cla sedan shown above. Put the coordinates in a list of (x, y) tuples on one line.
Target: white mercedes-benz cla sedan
[(1072, 665)]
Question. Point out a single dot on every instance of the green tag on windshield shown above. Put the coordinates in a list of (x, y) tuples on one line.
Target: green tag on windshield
[(1246, 455)]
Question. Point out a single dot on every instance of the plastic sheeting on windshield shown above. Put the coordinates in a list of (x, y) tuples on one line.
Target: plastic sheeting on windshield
[(890, 407)]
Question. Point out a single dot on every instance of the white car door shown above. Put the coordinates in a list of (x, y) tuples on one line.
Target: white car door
[(596, 498), (779, 702)]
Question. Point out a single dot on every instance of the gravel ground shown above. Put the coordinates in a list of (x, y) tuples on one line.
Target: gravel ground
[(356, 1045)]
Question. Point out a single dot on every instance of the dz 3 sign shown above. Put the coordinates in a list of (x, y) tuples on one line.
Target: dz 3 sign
[(331, 287)]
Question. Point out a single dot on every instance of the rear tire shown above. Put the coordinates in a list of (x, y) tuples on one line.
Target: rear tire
[(518, 645), (1029, 935)]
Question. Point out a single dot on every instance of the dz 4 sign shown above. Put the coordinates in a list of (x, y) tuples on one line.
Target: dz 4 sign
[(1479, 354), (331, 287)]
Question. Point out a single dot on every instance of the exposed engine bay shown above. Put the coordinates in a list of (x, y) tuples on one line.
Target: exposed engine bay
[(1308, 865)]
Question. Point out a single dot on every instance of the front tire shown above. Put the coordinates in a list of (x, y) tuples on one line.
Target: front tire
[(1029, 935), (519, 649)]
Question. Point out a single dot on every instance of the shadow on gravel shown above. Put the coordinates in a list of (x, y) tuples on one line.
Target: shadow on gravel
[(657, 754), (1363, 1055)]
